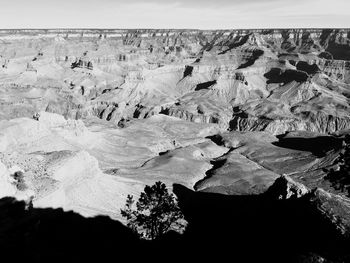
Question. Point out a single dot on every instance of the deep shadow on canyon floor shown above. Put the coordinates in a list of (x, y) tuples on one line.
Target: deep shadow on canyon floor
[(237, 228), (319, 146)]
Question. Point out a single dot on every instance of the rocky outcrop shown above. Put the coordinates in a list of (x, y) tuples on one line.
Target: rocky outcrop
[(331, 207), (200, 116), (82, 62), (316, 123), (338, 69), (338, 175), (286, 188), (334, 208)]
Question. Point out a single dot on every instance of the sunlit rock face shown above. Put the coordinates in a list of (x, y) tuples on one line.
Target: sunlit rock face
[(90, 116)]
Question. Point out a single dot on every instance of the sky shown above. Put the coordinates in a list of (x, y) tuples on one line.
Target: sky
[(193, 14)]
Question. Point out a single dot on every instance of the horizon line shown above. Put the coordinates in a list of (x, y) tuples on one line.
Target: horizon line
[(136, 28)]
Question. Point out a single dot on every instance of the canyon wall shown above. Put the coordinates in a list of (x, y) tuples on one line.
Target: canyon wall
[(274, 80)]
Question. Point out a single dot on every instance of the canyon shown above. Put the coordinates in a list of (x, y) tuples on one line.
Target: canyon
[(89, 116)]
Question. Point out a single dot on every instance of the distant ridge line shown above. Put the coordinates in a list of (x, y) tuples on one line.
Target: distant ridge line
[(176, 29)]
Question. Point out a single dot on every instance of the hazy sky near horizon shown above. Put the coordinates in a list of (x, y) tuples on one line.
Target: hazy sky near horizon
[(201, 14)]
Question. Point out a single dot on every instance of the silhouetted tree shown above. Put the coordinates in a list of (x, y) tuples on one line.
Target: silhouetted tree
[(156, 212)]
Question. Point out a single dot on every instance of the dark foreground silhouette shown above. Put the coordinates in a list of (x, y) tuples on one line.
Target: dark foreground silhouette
[(52, 235), (259, 227), (235, 228)]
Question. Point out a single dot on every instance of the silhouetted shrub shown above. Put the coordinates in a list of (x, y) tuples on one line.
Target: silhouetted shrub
[(156, 212)]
